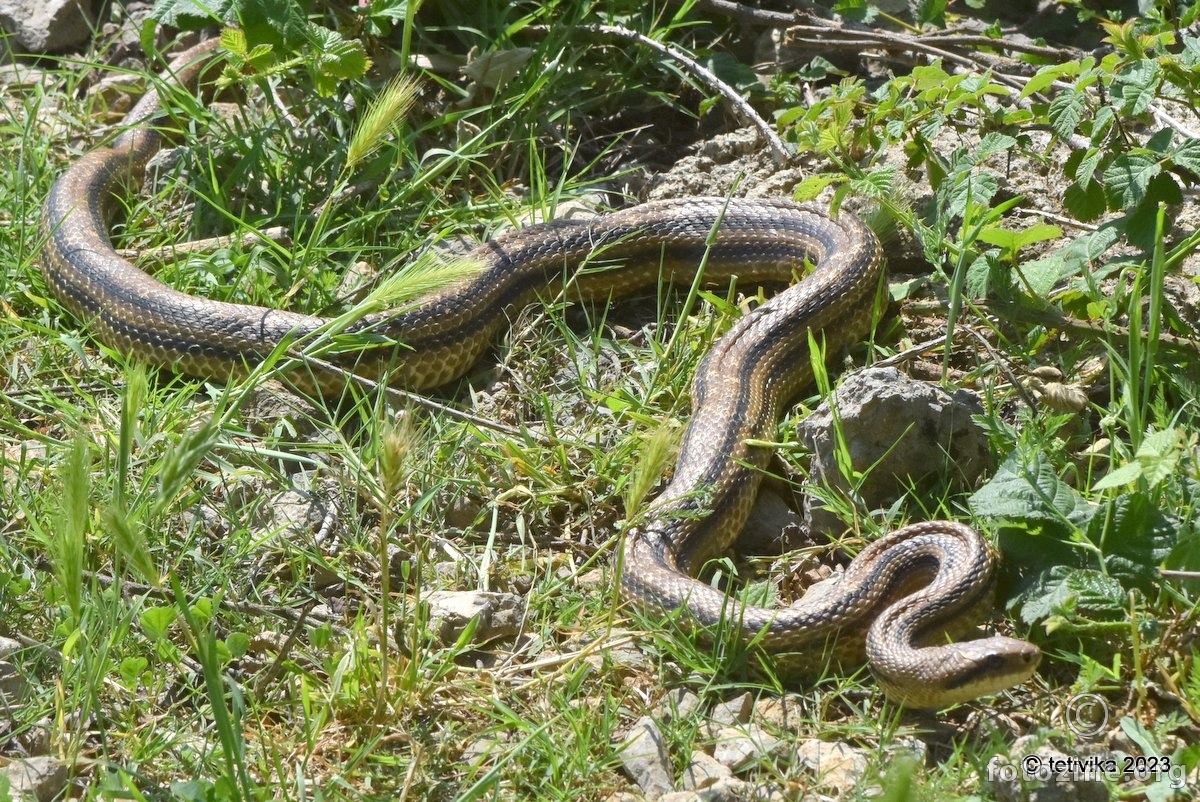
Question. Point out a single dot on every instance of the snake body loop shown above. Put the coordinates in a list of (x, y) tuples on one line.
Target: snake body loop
[(897, 600)]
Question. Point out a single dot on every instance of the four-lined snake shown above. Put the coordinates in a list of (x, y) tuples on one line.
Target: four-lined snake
[(899, 597)]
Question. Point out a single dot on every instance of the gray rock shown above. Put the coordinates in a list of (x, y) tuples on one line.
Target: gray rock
[(836, 765), (13, 686), (496, 615), (703, 771), (36, 738), (783, 714), (678, 704), (41, 778), (738, 747), (903, 431), (644, 759), (52, 26), (734, 711), (273, 410), (303, 511)]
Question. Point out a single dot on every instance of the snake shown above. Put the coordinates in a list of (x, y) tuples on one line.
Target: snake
[(901, 605)]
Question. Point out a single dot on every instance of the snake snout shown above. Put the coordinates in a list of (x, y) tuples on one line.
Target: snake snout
[(959, 672)]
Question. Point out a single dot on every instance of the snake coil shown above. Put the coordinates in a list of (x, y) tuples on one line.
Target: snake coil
[(896, 601)]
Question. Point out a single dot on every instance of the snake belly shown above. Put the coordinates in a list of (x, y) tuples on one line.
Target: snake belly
[(899, 597)]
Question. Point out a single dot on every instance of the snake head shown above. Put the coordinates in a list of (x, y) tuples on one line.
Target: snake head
[(953, 673)]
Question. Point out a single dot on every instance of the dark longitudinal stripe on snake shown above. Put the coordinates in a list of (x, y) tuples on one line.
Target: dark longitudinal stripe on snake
[(901, 595)]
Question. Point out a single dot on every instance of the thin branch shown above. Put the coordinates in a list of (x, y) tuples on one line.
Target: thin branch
[(705, 76), (168, 253)]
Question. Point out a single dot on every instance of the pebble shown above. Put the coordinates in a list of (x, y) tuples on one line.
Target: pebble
[(644, 758)]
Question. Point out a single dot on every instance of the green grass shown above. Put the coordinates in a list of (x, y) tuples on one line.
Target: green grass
[(180, 640)]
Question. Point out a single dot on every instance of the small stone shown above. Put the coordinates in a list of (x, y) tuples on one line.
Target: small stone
[(595, 579), (13, 686), (42, 778), (644, 758), (274, 410), (836, 765), (51, 26), (913, 749), (496, 615), (478, 751), (266, 641), (703, 771), (734, 711), (37, 737), (738, 747), (784, 714), (900, 431), (298, 512), (678, 704), (620, 652)]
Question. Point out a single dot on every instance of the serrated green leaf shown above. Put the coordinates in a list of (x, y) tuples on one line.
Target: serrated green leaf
[(1061, 593), (233, 40), (1065, 112), (278, 22), (876, 184), (991, 144), (1102, 122), (1187, 156), (1186, 554), (1126, 474), (813, 185), (932, 126), (1043, 274), (1134, 537), (1044, 77), (1160, 454), (337, 58), (1086, 169), (1014, 240), (1028, 489), (929, 76), (1136, 86), (1160, 142), (1035, 601), (1086, 591), (931, 12), (1086, 202), (977, 188), (1127, 178), (985, 278), (190, 14), (1190, 56)]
